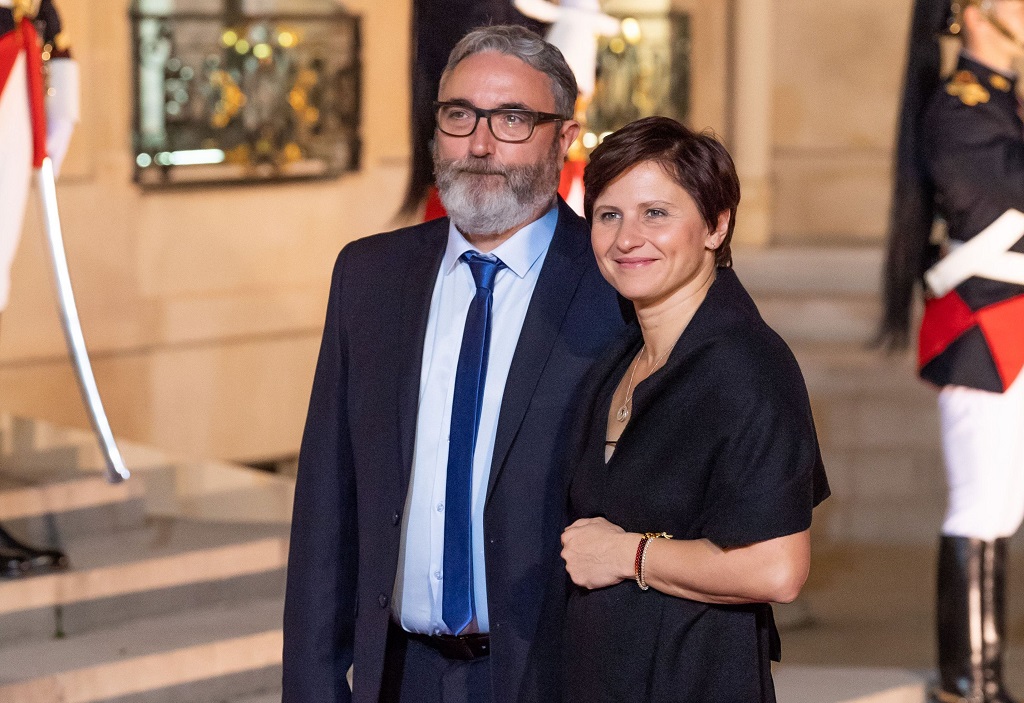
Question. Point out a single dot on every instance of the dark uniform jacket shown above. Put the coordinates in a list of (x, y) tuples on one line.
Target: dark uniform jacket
[(47, 21), (972, 141)]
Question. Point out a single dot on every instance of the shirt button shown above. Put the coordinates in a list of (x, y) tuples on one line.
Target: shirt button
[(383, 600), (437, 575), (440, 507)]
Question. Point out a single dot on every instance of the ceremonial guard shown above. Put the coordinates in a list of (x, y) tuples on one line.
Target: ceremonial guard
[(38, 111), (961, 160)]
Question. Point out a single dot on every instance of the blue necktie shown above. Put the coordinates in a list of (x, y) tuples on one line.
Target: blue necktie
[(457, 601)]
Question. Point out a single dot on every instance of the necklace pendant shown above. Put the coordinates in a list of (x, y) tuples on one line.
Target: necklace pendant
[(623, 414)]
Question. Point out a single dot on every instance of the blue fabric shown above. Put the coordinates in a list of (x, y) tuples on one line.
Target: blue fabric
[(457, 600)]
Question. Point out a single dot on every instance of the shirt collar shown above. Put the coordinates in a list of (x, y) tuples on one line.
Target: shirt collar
[(519, 253)]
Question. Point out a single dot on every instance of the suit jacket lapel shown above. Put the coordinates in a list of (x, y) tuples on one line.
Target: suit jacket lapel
[(555, 289), (417, 291)]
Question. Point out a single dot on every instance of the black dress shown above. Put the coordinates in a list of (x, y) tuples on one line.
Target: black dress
[(721, 446)]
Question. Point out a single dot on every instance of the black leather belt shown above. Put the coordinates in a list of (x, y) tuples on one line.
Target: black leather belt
[(463, 647)]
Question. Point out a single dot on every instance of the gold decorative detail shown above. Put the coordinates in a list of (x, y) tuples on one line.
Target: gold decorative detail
[(232, 99), (22, 9), (62, 42), (999, 83), (965, 86)]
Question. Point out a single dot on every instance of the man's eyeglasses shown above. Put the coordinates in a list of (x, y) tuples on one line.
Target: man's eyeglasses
[(506, 124)]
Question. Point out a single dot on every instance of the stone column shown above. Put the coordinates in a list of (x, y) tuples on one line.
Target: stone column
[(751, 137)]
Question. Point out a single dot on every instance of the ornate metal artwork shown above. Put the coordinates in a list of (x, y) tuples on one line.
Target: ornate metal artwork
[(643, 72), (245, 90)]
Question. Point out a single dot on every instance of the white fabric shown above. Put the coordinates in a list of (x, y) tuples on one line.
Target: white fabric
[(63, 108), (983, 443), (418, 587), (15, 168), (985, 254), (575, 27)]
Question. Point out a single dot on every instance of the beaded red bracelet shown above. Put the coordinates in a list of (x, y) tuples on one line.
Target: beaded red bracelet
[(641, 556)]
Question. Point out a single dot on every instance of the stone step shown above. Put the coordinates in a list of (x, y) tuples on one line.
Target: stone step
[(813, 684), (815, 294), (792, 270), (167, 565), (820, 317), (272, 697), (198, 655), (24, 501)]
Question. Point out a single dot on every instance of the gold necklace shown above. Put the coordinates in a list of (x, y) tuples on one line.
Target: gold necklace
[(624, 411)]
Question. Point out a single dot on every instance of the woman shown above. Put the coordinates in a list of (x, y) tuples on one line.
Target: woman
[(699, 465)]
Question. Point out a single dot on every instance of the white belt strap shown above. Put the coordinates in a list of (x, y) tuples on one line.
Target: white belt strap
[(985, 254)]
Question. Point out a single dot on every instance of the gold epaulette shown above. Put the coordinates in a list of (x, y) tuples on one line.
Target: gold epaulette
[(62, 42), (1000, 83), (965, 85)]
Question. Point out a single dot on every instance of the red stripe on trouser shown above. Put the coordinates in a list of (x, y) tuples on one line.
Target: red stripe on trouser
[(10, 47), (11, 44), (36, 92)]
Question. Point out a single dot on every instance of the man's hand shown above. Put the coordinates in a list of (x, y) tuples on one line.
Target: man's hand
[(597, 553)]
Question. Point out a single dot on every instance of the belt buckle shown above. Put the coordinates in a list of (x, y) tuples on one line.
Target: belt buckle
[(466, 647)]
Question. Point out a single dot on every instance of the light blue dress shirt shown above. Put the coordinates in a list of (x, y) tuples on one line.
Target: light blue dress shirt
[(419, 583)]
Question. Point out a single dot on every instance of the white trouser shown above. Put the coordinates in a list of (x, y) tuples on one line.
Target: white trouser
[(15, 168), (983, 443)]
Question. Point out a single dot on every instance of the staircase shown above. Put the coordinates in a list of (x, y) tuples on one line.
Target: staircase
[(176, 585)]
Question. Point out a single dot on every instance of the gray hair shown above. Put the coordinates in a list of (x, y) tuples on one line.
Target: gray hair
[(520, 42)]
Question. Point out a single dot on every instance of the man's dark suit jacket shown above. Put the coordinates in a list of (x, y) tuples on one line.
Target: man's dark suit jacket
[(356, 458)]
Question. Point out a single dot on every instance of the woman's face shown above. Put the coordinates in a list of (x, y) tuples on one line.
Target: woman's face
[(649, 237)]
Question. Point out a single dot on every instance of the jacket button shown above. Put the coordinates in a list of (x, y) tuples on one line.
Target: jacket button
[(395, 518), (383, 600)]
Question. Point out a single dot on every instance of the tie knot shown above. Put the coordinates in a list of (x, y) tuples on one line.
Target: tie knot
[(484, 269)]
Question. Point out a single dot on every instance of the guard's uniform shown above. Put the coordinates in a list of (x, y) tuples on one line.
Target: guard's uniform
[(972, 339), (33, 125), (25, 127)]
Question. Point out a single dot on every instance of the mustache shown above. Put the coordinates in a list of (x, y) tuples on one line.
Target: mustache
[(475, 168)]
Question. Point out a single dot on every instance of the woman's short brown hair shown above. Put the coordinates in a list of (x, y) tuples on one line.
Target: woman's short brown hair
[(697, 162)]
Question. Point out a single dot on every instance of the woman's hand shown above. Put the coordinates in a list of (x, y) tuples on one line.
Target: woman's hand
[(598, 553)]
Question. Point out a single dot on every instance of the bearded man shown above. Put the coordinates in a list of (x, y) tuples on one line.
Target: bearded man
[(430, 492)]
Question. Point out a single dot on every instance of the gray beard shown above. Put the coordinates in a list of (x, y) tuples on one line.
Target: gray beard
[(484, 198)]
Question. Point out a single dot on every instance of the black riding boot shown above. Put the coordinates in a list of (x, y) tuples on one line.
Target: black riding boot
[(960, 622), (993, 612), (12, 564), (34, 559)]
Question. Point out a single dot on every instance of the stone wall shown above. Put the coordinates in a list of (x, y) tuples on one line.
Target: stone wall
[(202, 307)]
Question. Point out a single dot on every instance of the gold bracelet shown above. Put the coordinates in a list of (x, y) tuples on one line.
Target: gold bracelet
[(641, 561)]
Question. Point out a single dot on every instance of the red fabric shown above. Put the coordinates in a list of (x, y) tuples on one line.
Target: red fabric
[(11, 44), (36, 92), (434, 207), (945, 319), (1003, 327), (571, 171)]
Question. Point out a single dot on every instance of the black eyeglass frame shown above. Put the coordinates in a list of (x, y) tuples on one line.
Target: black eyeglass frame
[(538, 118)]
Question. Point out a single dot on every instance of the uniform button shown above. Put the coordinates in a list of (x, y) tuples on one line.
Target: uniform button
[(395, 518), (440, 507), (383, 600)]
